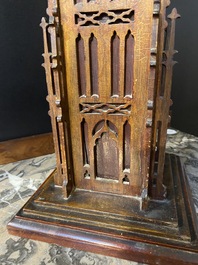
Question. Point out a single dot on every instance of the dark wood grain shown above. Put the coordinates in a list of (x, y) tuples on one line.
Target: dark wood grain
[(99, 86), (108, 69)]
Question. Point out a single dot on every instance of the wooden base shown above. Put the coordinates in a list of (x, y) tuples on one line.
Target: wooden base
[(166, 233)]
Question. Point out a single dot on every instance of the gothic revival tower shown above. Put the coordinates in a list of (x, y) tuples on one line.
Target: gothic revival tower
[(108, 68)]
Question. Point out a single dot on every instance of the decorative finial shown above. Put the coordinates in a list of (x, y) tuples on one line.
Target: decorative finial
[(174, 14), (43, 23)]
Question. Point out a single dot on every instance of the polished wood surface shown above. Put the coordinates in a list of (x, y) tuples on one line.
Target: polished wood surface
[(113, 225), (26, 147), (107, 93), (108, 69)]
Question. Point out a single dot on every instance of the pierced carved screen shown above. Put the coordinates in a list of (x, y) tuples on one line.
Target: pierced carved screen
[(104, 82), (107, 54)]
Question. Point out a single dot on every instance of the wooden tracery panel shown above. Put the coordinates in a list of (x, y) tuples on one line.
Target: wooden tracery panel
[(110, 69), (108, 74), (107, 55)]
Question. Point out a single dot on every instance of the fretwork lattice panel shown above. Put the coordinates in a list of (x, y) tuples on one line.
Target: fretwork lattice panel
[(107, 47)]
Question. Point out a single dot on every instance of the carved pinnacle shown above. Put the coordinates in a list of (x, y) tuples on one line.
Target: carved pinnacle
[(174, 14), (43, 23)]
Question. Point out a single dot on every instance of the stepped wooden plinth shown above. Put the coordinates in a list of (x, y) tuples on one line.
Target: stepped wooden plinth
[(108, 70), (166, 233)]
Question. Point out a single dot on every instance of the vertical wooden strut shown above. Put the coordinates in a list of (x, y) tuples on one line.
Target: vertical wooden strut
[(162, 105), (108, 73), (106, 54), (56, 99), (92, 79)]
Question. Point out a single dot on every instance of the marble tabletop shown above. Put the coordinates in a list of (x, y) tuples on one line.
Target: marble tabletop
[(19, 180)]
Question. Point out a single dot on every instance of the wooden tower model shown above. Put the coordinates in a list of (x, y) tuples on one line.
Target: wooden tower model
[(108, 68), (109, 93)]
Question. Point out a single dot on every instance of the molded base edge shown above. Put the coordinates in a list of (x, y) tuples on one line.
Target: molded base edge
[(166, 233)]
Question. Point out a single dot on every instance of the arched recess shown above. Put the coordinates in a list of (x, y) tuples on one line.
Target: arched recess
[(106, 152), (126, 146), (93, 54), (85, 149), (80, 50), (129, 62), (115, 64)]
